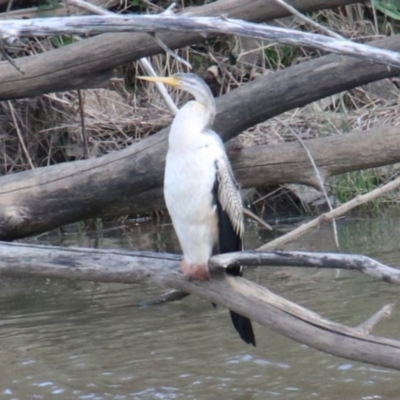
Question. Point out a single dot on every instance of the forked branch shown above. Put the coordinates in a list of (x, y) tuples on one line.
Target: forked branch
[(238, 294)]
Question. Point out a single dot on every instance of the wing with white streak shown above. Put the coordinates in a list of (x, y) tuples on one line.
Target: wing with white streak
[(229, 195)]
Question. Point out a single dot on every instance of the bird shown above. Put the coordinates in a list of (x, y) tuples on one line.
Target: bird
[(200, 191)]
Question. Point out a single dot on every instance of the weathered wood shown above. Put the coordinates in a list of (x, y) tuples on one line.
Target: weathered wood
[(333, 155), (129, 181), (72, 66), (93, 25), (303, 259), (331, 215), (238, 294)]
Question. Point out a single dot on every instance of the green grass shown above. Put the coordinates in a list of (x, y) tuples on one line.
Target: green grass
[(349, 185), (281, 56), (61, 41), (391, 8)]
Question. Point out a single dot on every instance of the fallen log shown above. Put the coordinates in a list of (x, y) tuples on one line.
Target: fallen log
[(129, 182), (288, 163), (206, 26), (89, 63), (238, 294)]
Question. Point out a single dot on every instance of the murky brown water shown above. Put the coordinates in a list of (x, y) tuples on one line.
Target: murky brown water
[(75, 340)]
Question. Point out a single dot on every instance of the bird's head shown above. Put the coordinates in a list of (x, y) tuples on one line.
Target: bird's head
[(187, 82)]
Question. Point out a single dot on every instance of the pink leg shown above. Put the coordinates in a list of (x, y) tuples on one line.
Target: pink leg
[(198, 272)]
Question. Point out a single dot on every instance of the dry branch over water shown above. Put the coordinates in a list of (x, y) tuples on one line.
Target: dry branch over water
[(238, 294)]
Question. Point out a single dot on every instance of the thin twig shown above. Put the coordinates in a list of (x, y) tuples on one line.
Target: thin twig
[(144, 62), (146, 65), (253, 216), (335, 213), (9, 5), (83, 130), (169, 11), (169, 51), (367, 326), (320, 181), (20, 138), (4, 53), (309, 21)]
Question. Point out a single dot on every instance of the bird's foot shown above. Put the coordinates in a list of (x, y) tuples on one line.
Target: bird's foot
[(198, 272)]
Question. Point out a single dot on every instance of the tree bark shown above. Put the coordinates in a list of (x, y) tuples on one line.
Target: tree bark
[(334, 155), (76, 65), (238, 294), (350, 262), (206, 26), (129, 182)]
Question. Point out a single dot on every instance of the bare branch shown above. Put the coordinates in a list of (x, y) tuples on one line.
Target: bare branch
[(237, 294), (329, 216), (91, 25), (254, 217), (309, 21), (321, 183), (367, 326), (144, 62), (19, 134), (351, 262)]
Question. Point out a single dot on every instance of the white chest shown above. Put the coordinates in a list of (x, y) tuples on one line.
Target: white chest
[(188, 185)]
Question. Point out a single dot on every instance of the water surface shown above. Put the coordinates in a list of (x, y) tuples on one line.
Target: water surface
[(78, 340)]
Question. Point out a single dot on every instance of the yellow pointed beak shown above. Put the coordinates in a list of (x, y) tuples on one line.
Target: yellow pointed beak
[(168, 80)]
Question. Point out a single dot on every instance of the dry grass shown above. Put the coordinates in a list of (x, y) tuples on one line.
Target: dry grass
[(47, 129), (51, 131)]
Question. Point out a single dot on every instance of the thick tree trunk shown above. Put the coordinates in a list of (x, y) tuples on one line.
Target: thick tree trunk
[(129, 181), (238, 294), (289, 163), (89, 63)]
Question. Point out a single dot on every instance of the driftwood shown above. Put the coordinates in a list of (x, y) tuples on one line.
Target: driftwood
[(252, 300), (129, 181), (89, 63), (205, 26)]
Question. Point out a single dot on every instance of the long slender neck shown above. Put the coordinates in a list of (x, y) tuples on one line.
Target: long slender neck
[(189, 127), (194, 119), (208, 101)]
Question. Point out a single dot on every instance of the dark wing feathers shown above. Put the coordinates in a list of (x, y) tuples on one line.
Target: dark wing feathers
[(231, 227)]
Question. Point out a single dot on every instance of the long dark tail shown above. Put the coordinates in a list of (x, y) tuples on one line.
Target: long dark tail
[(242, 324), (244, 328), (229, 241)]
